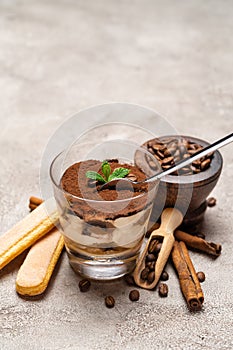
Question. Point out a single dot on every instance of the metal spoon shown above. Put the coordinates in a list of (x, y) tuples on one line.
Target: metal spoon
[(203, 152)]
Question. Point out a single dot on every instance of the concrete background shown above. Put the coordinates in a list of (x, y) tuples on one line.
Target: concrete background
[(57, 57)]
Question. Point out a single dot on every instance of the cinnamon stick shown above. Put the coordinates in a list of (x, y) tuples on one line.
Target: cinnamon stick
[(198, 243), (34, 202), (189, 282)]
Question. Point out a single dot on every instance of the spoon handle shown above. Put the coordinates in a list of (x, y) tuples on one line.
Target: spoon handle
[(203, 152), (171, 218)]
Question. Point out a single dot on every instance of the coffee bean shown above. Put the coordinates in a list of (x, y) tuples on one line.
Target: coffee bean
[(109, 301), (191, 147), (160, 154), (186, 155), (150, 150), (165, 167), (211, 202), (196, 163), (151, 277), (192, 151), (205, 164), (163, 290), (185, 169), (158, 248), (134, 295), (164, 276), (130, 280), (84, 285), (198, 147), (167, 153), (150, 257), (144, 273), (150, 144), (167, 161), (153, 246), (158, 147), (210, 155), (151, 265), (195, 170), (201, 276)]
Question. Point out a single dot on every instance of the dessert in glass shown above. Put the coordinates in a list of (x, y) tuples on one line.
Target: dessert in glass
[(103, 228)]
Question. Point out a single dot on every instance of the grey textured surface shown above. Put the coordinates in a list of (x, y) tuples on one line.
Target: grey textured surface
[(57, 57)]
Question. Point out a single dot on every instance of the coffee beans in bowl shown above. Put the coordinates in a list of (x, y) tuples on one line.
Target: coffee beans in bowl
[(188, 188), (171, 150)]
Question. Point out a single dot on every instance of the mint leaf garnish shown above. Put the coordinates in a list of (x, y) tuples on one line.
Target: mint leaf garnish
[(106, 169), (95, 176), (118, 173)]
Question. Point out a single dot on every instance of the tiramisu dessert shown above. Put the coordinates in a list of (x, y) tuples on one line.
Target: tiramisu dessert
[(108, 222)]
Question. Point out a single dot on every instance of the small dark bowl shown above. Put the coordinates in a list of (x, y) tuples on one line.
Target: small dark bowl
[(188, 193)]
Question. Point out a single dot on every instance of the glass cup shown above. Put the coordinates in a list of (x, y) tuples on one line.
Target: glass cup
[(105, 244)]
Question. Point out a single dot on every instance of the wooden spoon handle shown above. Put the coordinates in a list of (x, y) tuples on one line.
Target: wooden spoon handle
[(166, 249), (171, 218)]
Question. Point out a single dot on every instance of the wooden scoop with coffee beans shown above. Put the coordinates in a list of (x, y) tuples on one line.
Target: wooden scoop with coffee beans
[(158, 248)]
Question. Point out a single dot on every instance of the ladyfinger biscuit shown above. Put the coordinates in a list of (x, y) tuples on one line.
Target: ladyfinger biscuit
[(34, 274), (27, 231)]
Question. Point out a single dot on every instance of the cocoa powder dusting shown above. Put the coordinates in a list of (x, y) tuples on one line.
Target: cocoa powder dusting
[(75, 182)]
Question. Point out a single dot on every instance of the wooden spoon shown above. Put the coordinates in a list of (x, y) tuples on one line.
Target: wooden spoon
[(171, 218)]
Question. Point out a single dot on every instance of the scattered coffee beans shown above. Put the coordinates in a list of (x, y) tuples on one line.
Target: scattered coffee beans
[(163, 290), (134, 295), (171, 150), (164, 276), (211, 202), (84, 285), (201, 276), (109, 301)]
